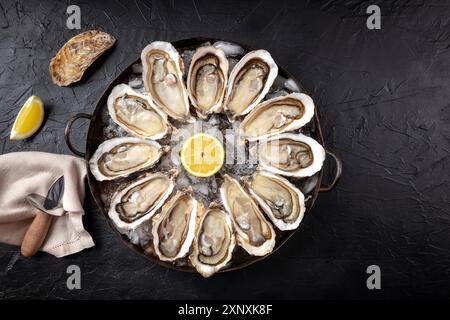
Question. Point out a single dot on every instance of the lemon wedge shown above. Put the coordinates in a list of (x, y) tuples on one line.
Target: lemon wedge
[(202, 155), (29, 119)]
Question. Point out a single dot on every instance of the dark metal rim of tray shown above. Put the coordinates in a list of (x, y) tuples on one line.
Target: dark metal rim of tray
[(91, 146)]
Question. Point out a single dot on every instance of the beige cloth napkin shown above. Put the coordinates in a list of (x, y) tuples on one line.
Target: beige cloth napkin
[(22, 173)]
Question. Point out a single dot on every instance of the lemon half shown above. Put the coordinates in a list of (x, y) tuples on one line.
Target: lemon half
[(202, 155), (29, 119)]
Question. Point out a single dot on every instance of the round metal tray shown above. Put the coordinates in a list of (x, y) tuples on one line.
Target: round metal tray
[(102, 190)]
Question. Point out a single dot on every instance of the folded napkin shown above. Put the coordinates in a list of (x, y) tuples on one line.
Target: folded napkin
[(25, 173)]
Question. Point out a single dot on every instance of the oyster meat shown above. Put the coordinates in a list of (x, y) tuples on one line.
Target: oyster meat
[(294, 155), (120, 157), (136, 113), (213, 243), (249, 82), (207, 80), (77, 54), (254, 233), (278, 115), (174, 228), (282, 202), (138, 201), (163, 79)]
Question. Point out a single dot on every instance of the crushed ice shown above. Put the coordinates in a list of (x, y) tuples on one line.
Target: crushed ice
[(230, 49)]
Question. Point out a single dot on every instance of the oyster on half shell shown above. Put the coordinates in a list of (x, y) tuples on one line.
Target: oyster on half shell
[(163, 79), (139, 200), (282, 202), (120, 157), (136, 113), (174, 228), (253, 232), (213, 243), (278, 115), (293, 155), (249, 81), (207, 80)]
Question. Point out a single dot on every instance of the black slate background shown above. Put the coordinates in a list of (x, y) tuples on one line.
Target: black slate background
[(383, 98)]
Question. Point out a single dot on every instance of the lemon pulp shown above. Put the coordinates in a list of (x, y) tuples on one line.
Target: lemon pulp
[(202, 155), (29, 119)]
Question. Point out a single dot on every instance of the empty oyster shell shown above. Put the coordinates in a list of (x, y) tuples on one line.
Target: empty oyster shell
[(163, 79), (254, 233), (138, 201), (278, 115), (120, 157), (207, 80), (293, 155), (174, 228), (249, 82), (283, 203), (213, 243), (77, 54), (136, 113)]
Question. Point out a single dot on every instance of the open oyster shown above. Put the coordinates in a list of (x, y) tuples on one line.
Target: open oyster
[(77, 54), (163, 79), (277, 115), (254, 232), (119, 157), (294, 155), (249, 82), (174, 228), (283, 203), (213, 243), (138, 201), (207, 80), (136, 113)]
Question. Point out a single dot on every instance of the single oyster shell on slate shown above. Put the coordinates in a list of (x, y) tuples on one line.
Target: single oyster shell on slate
[(282, 202), (253, 232), (213, 243), (293, 155), (136, 113), (278, 115), (139, 200), (174, 228), (77, 54), (250, 80), (120, 157), (207, 80), (163, 79)]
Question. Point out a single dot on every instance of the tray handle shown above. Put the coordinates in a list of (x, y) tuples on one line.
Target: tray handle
[(69, 127), (337, 174)]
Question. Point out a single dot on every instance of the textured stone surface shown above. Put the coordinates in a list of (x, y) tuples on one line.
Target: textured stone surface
[(383, 101)]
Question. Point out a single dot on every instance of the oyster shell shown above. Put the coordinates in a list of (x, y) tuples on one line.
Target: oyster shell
[(254, 233), (120, 157), (136, 113), (278, 115), (213, 243), (174, 228), (138, 201), (249, 82), (282, 202), (207, 80), (163, 79), (77, 54), (293, 155)]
